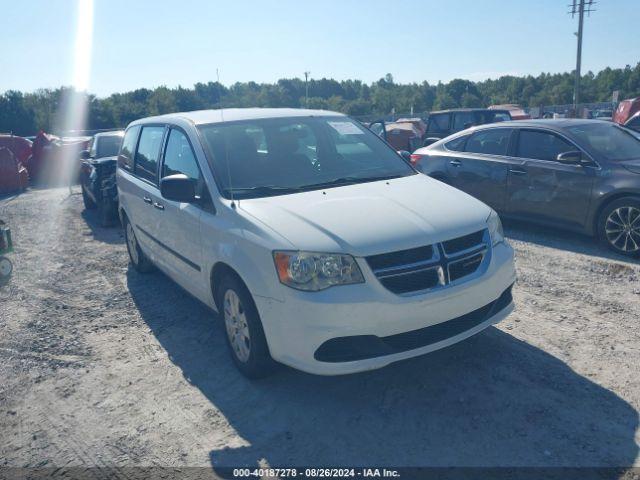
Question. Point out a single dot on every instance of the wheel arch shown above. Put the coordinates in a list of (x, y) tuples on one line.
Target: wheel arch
[(218, 271), (606, 201)]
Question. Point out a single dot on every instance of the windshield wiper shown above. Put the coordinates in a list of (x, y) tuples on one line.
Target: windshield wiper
[(264, 189), (350, 180)]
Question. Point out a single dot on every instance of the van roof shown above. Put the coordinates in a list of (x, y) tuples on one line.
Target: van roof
[(201, 117)]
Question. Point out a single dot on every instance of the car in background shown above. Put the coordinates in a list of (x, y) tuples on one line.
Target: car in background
[(417, 122), (634, 123), (575, 174), (516, 111), (602, 115), (98, 175), (443, 123), (626, 109), (317, 244), (401, 136)]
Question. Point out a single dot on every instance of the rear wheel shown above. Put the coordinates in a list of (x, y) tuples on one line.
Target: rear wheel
[(245, 336), (6, 268), (619, 226), (138, 258)]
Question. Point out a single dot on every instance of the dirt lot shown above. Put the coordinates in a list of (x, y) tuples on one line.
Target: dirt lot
[(102, 366)]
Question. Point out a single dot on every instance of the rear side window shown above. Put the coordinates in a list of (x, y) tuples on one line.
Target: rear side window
[(542, 145), (457, 144), (179, 157), (463, 120), (494, 141), (125, 159), (438, 123), (146, 163)]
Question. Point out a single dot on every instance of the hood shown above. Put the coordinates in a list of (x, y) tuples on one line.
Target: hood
[(371, 218)]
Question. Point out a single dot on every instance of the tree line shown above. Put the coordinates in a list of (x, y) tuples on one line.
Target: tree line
[(27, 113)]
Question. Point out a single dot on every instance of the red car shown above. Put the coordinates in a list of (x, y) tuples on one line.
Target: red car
[(626, 109), (20, 147)]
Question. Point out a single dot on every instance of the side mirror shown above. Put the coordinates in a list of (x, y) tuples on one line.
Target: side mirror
[(572, 157), (429, 141), (404, 154), (178, 188), (85, 155)]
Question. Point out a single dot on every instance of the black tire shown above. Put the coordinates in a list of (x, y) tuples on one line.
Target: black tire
[(6, 269), (259, 363), (136, 256), (89, 204), (619, 226)]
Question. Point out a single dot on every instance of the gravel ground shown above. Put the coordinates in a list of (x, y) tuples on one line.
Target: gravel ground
[(100, 366)]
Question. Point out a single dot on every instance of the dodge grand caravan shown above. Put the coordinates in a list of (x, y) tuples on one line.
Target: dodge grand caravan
[(319, 246)]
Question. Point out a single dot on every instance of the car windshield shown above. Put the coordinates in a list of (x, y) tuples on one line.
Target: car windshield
[(258, 158), (108, 146), (607, 139)]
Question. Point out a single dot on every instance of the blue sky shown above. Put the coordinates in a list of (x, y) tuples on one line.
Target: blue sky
[(147, 43)]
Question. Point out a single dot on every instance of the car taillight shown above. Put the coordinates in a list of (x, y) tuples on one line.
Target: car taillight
[(415, 158)]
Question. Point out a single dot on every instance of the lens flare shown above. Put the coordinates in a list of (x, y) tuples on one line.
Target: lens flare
[(71, 118)]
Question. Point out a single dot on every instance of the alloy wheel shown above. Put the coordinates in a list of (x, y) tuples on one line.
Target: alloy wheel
[(235, 320), (623, 229)]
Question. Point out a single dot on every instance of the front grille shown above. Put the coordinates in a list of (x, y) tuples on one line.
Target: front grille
[(403, 257), (421, 280), (460, 244), (431, 266), (464, 267)]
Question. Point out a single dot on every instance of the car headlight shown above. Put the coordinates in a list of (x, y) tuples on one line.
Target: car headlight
[(495, 228), (316, 271)]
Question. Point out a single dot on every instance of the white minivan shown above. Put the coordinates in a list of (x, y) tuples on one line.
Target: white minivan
[(318, 244)]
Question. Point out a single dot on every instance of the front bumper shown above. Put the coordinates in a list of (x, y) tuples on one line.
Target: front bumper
[(389, 327)]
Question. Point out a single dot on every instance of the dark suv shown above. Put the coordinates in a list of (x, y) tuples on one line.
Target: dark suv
[(98, 175), (581, 175), (446, 122)]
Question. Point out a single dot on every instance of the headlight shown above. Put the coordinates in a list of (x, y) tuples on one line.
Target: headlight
[(316, 271), (495, 228)]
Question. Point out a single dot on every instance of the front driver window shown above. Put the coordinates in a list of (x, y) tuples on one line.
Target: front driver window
[(179, 157), (542, 145)]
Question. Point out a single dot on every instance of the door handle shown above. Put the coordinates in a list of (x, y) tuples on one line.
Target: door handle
[(159, 206), (147, 200), (517, 172), (455, 163)]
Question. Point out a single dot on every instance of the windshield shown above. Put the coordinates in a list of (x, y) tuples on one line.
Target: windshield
[(607, 139), (108, 146), (275, 156)]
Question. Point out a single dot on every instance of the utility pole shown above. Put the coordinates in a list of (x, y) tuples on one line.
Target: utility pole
[(306, 89), (579, 7)]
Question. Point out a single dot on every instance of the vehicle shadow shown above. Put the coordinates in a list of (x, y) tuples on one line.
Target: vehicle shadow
[(492, 400), (110, 235), (560, 239)]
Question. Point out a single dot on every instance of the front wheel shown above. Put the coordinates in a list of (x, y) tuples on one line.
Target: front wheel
[(619, 226), (245, 336)]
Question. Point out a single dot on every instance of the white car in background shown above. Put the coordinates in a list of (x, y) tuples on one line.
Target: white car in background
[(320, 247)]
